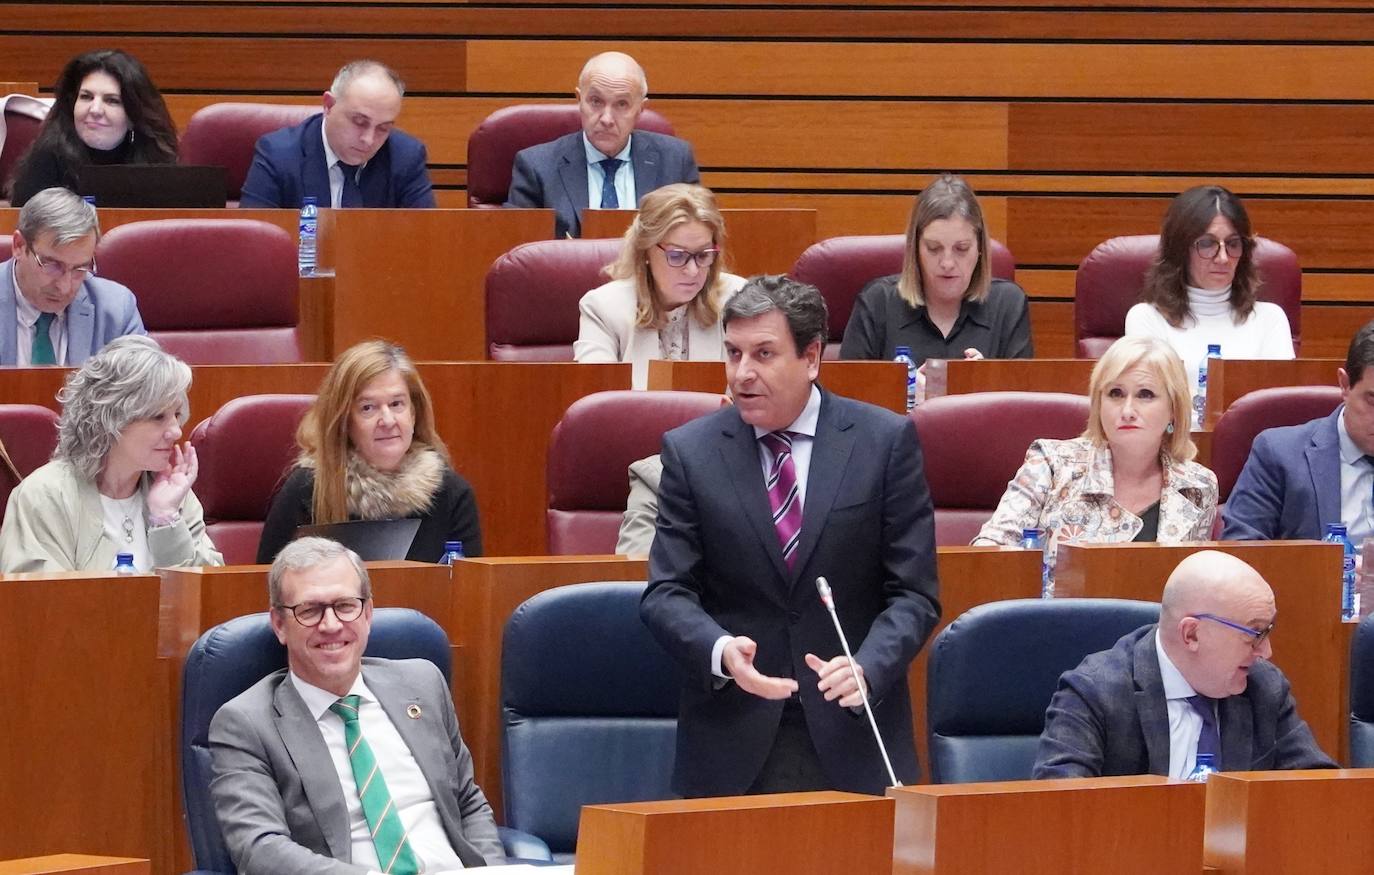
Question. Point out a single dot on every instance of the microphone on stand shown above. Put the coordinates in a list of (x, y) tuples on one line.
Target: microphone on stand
[(829, 601)]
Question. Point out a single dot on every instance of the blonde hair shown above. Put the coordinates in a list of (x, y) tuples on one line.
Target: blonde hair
[(1160, 358), (948, 197), (660, 211), (323, 433)]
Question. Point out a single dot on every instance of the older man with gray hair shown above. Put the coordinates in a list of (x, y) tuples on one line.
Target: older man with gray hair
[(53, 308), (340, 763)]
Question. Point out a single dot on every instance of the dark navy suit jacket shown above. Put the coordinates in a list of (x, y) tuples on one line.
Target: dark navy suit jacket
[(553, 175), (1290, 486), (288, 165), (1109, 717), (716, 568)]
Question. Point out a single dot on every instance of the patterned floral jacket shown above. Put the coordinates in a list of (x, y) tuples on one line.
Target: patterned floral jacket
[(1065, 488)]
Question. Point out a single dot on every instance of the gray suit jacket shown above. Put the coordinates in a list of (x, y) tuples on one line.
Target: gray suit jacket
[(278, 797), (554, 174), (101, 311), (1109, 717), (1290, 487)]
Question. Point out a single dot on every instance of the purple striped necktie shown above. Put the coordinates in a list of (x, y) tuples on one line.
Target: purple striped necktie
[(783, 494)]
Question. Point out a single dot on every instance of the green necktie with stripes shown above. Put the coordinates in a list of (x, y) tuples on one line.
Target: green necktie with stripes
[(388, 833)]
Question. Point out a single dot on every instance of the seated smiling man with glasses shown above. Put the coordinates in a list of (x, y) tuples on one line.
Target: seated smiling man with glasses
[(53, 308), (1198, 682), (291, 754)]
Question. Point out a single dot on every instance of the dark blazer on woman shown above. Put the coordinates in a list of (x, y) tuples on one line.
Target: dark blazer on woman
[(998, 326)]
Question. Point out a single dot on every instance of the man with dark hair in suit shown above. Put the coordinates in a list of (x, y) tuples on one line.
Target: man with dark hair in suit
[(351, 155), (608, 164), (340, 764), (1199, 681), (1300, 478), (789, 484)]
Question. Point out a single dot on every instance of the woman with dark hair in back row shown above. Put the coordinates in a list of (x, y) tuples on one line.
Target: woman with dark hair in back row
[(105, 111)]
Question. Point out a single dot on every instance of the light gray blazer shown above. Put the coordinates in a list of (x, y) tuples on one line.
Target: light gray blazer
[(278, 797)]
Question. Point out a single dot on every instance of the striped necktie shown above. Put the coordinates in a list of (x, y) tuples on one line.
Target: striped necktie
[(783, 494), (388, 833), (609, 199)]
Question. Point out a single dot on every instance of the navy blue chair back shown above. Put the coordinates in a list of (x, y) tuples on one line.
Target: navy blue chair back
[(1362, 696), (589, 708), (233, 656), (994, 670)]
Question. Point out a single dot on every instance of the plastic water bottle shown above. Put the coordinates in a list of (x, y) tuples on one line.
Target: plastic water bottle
[(124, 564), (309, 234), (1204, 768), (904, 356), (89, 198), (1200, 394), (1335, 534), (453, 551), (1034, 539)]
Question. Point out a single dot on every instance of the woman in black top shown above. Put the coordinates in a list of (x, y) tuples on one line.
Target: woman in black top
[(945, 303), (106, 111)]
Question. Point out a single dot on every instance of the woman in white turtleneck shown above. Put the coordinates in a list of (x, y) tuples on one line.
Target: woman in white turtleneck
[(1201, 287)]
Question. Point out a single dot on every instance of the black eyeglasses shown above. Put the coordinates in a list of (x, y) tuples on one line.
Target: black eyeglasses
[(310, 614), (1209, 246), (1257, 636), (677, 257)]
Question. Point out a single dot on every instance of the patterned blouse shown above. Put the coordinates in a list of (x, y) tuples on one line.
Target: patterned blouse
[(1065, 488)]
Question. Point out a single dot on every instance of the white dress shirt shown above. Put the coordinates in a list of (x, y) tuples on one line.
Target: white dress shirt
[(336, 173), (624, 176), (803, 430), (410, 791), (1357, 487), (1185, 724), (27, 318)]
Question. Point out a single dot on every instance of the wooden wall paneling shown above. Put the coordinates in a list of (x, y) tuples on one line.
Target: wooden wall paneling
[(1326, 331), (1052, 329)]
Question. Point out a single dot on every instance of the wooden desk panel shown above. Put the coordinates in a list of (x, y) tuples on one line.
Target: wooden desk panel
[(77, 863), (1229, 379), (881, 383), (1017, 375), (1311, 645), (758, 240), (1126, 826), (796, 833)]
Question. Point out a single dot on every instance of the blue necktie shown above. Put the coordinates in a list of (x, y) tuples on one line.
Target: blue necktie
[(351, 196), (1210, 739), (42, 352), (609, 166)]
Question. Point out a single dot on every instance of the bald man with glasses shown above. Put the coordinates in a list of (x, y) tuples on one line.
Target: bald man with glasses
[(1200, 681), (54, 310)]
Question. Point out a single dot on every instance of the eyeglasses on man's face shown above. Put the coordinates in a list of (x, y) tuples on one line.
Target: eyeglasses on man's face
[(56, 270), (1208, 246), (678, 257), (1257, 636), (311, 614)]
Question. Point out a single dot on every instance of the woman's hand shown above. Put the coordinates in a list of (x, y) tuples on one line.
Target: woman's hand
[(973, 355), (171, 485)]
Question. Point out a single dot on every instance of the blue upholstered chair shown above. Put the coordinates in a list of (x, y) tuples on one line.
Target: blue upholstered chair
[(233, 656), (1362, 696), (589, 709), (993, 672)]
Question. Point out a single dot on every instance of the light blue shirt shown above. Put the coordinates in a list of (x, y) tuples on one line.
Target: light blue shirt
[(1357, 487), (624, 176)]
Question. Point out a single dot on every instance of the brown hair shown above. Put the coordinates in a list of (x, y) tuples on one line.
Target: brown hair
[(1189, 215), (945, 198)]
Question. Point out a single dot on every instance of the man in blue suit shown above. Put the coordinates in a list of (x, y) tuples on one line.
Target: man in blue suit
[(351, 155), (788, 484), (608, 164), (1200, 681), (1299, 478), (54, 310)]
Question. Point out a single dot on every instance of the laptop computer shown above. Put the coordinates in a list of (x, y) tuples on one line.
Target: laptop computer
[(370, 539), (153, 185)]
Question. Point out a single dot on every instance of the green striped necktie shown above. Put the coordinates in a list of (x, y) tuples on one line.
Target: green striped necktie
[(388, 833)]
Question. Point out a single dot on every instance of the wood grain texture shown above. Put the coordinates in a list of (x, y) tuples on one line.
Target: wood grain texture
[(84, 864)]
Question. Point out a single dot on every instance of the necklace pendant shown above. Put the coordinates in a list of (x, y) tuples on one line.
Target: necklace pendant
[(128, 529)]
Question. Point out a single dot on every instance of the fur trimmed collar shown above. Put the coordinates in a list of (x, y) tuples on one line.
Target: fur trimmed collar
[(406, 492)]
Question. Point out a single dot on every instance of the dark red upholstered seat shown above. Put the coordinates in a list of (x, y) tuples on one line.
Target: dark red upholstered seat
[(211, 291), (532, 296), (841, 266), (6, 247), (245, 450), (1109, 281), (225, 134), (29, 433), (974, 444), (590, 454), (1255, 411), (21, 129), (493, 144)]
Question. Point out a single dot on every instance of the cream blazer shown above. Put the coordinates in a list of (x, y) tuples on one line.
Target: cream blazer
[(607, 332)]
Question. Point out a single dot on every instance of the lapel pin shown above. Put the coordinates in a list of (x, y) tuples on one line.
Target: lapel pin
[(413, 712)]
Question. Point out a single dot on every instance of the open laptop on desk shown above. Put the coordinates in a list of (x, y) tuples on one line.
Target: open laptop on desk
[(370, 539), (153, 185)]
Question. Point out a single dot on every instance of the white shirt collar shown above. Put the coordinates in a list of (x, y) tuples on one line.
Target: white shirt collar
[(1175, 686), (595, 155), (317, 701), (1350, 454), (805, 423)]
